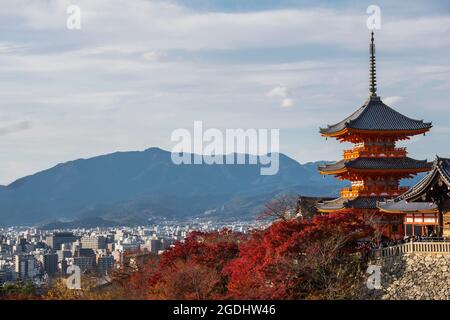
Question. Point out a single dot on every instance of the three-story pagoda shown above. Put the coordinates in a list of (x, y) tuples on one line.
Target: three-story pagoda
[(375, 165)]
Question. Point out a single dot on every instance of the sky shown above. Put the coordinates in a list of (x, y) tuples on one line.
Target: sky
[(139, 69)]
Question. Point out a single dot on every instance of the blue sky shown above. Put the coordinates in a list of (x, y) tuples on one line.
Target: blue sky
[(139, 69)]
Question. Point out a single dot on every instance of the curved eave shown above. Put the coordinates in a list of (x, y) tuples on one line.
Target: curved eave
[(406, 211), (348, 130), (334, 134), (343, 170), (330, 210), (416, 192), (335, 205), (444, 176), (406, 207), (382, 170), (359, 170)]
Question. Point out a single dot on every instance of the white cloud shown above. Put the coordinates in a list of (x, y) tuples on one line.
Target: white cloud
[(135, 71), (9, 48), (392, 100), (287, 103), (278, 91), (281, 92), (154, 55)]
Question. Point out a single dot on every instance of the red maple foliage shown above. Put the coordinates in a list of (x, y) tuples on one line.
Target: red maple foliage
[(298, 259), (191, 269), (291, 259)]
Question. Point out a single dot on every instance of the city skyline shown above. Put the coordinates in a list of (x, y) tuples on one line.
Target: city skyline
[(40, 256)]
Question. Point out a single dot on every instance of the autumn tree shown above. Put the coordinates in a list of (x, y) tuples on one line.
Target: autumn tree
[(298, 259), (283, 207), (191, 269), (92, 288), (20, 290)]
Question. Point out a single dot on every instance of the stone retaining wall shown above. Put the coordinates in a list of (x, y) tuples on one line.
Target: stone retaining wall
[(415, 276)]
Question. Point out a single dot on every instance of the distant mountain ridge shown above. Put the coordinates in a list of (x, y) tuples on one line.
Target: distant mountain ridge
[(134, 186)]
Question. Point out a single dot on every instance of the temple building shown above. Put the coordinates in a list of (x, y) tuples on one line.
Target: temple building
[(426, 206), (375, 165)]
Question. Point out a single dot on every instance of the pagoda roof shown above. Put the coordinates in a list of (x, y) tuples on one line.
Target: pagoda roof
[(374, 115), (348, 203), (407, 201), (440, 170), (402, 206), (362, 163)]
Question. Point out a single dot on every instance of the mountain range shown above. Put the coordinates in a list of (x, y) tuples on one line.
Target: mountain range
[(140, 186)]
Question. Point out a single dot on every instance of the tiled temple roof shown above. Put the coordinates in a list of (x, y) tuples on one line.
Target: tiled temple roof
[(405, 206), (440, 168), (374, 115), (407, 201), (356, 203), (377, 164)]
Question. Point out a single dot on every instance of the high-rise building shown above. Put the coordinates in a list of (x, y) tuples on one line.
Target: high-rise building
[(85, 263), (111, 246), (93, 242), (55, 240), (63, 254), (154, 245), (105, 263), (26, 266), (63, 266), (22, 244), (85, 259), (50, 263), (5, 249), (3, 276), (110, 238), (128, 244)]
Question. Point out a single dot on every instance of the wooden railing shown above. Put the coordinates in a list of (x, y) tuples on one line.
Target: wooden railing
[(374, 152), (442, 247), (372, 191)]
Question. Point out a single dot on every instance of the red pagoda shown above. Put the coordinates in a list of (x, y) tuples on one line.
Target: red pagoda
[(375, 165)]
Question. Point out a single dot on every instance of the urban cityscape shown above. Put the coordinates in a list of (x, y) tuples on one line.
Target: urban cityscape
[(29, 254)]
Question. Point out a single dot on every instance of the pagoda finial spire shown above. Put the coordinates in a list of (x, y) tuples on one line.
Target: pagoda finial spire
[(373, 70)]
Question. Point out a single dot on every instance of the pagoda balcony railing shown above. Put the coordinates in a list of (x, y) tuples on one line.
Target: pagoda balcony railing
[(372, 191), (374, 152)]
